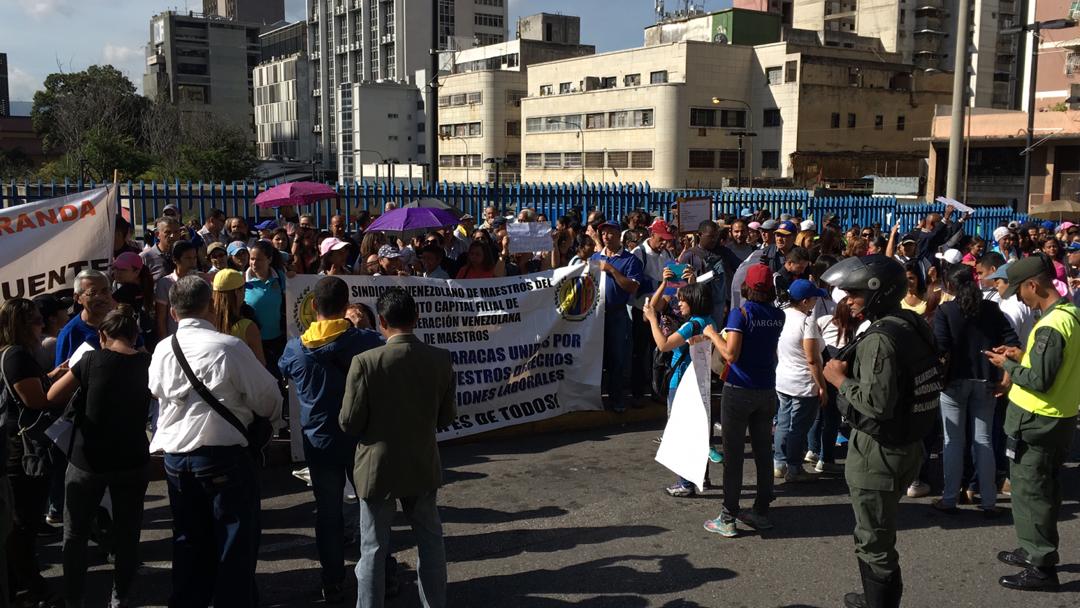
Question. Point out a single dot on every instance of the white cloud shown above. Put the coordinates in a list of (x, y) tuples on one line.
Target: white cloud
[(22, 84), (40, 9), (116, 54)]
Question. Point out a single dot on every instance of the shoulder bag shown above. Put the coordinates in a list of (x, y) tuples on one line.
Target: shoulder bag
[(36, 461), (258, 433)]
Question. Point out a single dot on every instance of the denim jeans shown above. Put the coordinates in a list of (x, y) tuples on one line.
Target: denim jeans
[(214, 496), (822, 437), (83, 493), (618, 351), (742, 409), (961, 401), (327, 483), (794, 418), (375, 519)]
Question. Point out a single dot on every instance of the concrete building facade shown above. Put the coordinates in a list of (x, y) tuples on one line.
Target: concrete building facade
[(203, 64), (5, 95), (818, 113), (263, 12), (367, 41), (283, 109), (480, 100)]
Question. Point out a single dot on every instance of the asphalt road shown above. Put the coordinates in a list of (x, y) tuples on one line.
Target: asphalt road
[(580, 519)]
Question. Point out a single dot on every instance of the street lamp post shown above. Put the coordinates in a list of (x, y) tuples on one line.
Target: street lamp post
[(747, 132), (581, 136), (497, 162), (467, 161), (1034, 28)]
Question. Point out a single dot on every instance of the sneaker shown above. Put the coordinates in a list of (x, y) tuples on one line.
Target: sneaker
[(725, 529), (680, 490), (779, 471), (334, 594), (754, 520), (303, 475), (918, 489), (810, 457), (1006, 487), (828, 467), (658, 439), (797, 475), (54, 519), (717, 429), (715, 457)]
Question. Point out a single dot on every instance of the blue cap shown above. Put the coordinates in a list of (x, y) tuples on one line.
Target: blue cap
[(802, 289), (787, 228), (266, 225), (236, 247), (1048, 225), (1000, 273), (746, 212), (1074, 246)]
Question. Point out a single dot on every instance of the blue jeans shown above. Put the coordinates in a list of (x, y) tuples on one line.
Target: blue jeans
[(328, 483), (375, 519), (618, 351), (822, 437), (794, 417), (961, 401), (214, 496)]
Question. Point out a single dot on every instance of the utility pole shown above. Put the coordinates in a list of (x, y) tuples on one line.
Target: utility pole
[(960, 84), (433, 103)]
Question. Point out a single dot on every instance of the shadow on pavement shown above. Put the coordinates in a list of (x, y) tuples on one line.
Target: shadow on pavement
[(506, 543), (483, 515)]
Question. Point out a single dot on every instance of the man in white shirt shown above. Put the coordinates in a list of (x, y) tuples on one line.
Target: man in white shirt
[(654, 255), (1020, 316), (213, 490)]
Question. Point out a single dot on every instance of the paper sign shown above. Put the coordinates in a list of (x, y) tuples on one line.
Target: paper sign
[(955, 204), (79, 353), (685, 446), (528, 237), (693, 211)]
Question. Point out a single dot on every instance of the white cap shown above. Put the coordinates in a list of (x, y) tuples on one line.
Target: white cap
[(952, 256), (808, 225), (1000, 232)]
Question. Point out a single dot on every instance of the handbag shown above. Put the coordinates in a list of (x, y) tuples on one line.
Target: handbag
[(35, 461), (258, 433), (62, 432)]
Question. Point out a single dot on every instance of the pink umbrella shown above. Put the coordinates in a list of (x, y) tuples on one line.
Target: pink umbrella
[(294, 193)]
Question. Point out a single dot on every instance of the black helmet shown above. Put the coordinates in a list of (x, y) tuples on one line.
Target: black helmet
[(882, 278)]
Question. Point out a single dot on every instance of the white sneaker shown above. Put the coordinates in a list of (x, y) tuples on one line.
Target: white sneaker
[(717, 429), (779, 471), (827, 467), (918, 489), (303, 475), (810, 457)]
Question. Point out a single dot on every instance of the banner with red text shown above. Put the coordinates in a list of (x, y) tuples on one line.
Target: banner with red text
[(524, 348), (44, 244)]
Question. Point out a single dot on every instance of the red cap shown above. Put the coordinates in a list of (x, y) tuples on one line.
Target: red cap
[(659, 226), (758, 277)]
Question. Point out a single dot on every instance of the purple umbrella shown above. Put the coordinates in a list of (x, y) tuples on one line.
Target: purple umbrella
[(294, 193), (413, 219)]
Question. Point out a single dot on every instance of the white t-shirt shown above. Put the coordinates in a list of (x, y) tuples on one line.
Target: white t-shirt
[(793, 375), (1020, 316), (830, 333)]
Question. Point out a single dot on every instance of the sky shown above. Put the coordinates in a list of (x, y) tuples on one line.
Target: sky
[(45, 36)]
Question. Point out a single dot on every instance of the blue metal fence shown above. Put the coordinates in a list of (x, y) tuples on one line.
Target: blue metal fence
[(145, 200)]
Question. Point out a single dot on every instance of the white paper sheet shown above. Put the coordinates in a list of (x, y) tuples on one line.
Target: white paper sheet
[(79, 352), (529, 237), (685, 446)]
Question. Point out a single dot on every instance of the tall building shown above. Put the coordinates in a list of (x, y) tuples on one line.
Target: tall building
[(283, 103), (369, 41), (263, 12), (203, 64), (5, 97), (480, 100), (923, 33)]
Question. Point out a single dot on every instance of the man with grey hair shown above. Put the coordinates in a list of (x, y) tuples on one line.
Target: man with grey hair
[(93, 294), (158, 257), (211, 475)]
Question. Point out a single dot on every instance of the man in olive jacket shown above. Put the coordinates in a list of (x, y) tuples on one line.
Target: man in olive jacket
[(396, 396)]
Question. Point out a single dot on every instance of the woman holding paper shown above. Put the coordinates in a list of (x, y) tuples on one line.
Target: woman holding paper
[(109, 449), (694, 305), (748, 346)]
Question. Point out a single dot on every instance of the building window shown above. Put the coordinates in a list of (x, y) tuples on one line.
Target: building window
[(702, 159), (495, 3), (391, 116), (728, 159), (474, 129), (488, 20), (733, 118), (641, 159), (834, 122), (631, 80), (483, 39), (900, 120), (513, 128), (607, 82), (474, 98), (564, 88), (701, 117), (594, 160), (770, 159), (446, 160), (850, 121), (659, 77), (771, 117), (533, 160), (879, 122), (774, 75), (853, 76), (444, 101), (595, 121), (534, 124), (545, 89), (552, 160), (514, 97), (618, 120), (572, 160), (643, 118), (618, 160), (791, 71)]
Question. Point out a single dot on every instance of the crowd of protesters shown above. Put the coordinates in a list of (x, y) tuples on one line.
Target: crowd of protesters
[(211, 297)]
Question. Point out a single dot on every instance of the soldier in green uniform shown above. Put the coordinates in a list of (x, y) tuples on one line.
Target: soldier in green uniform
[(1040, 420), (888, 380)]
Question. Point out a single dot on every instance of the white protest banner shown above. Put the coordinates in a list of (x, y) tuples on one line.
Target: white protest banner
[(685, 446), (527, 237), (44, 244), (524, 348), (694, 211), (955, 204)]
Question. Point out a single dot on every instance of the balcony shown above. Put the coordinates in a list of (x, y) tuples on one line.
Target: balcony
[(1007, 7), (928, 45), (928, 22), (927, 61)]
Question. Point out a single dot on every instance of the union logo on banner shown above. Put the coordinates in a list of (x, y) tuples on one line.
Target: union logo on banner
[(576, 296)]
